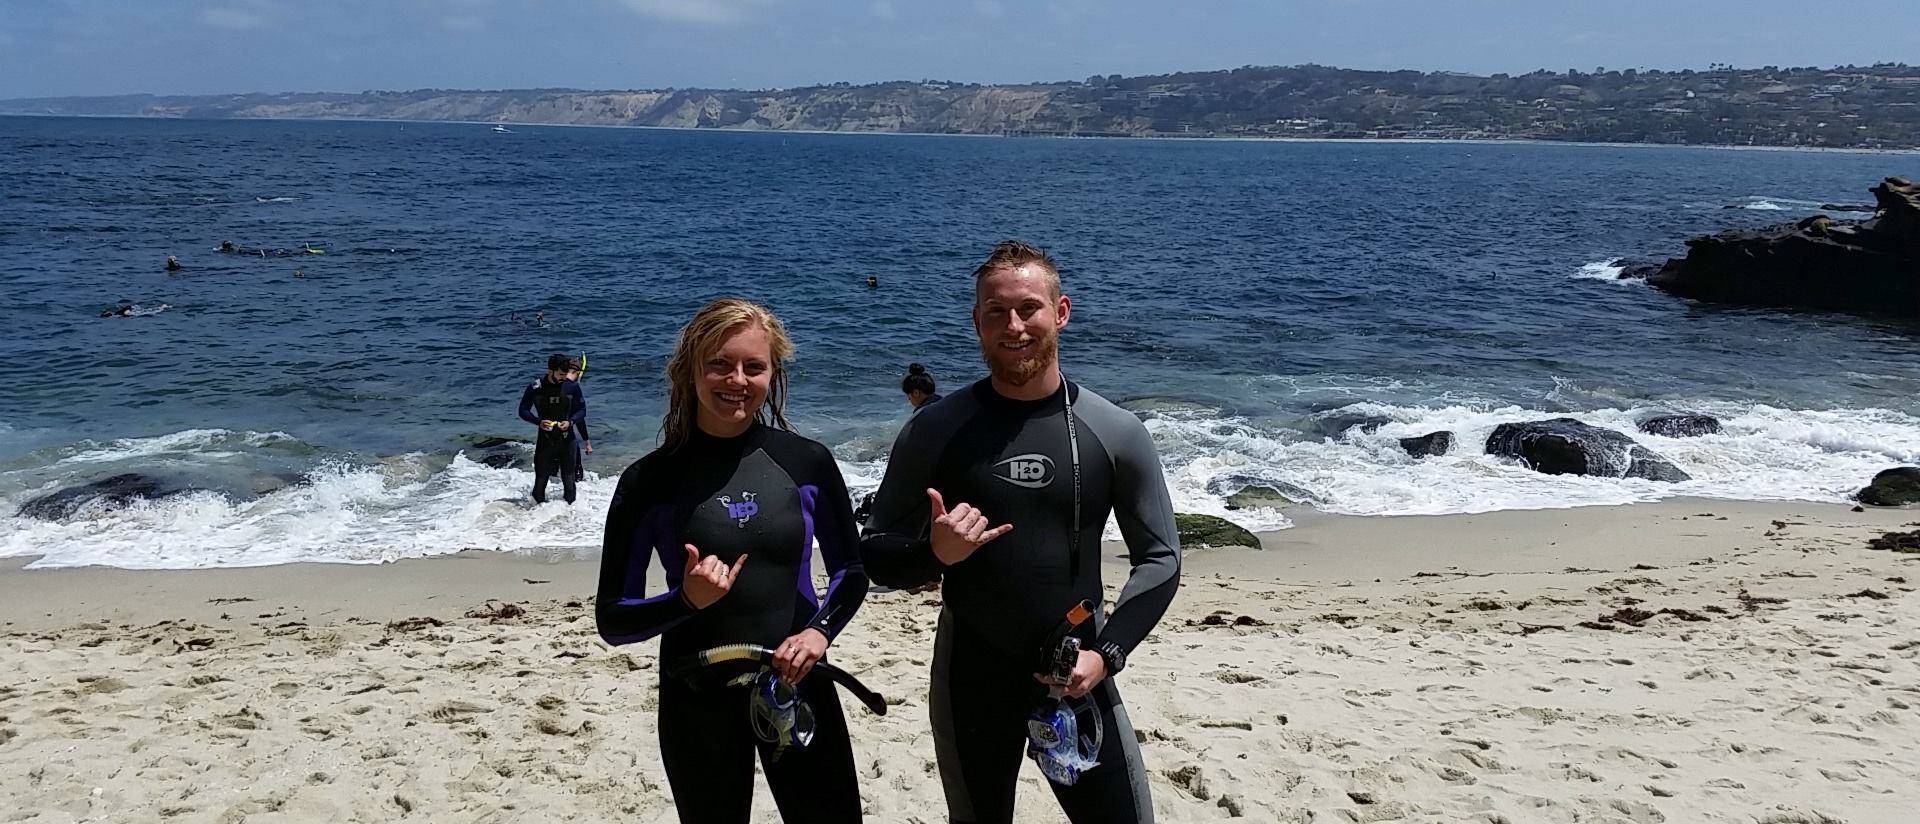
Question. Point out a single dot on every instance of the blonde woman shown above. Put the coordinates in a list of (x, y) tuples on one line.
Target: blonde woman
[(731, 504)]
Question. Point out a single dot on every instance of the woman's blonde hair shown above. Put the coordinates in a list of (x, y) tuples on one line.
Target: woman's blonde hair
[(699, 339)]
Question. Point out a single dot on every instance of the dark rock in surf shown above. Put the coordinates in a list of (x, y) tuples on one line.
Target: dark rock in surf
[(1564, 446), (1869, 266), (113, 492), (1892, 487), (504, 453), (1637, 269), (1338, 424), (1681, 426), (1210, 531), (1429, 445), (1251, 492)]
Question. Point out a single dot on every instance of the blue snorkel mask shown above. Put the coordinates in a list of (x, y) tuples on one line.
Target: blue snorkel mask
[(1064, 734), (1064, 737), (779, 715)]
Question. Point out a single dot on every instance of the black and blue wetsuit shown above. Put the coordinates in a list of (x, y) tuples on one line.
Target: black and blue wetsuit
[(556, 450), (767, 494), (1015, 461)]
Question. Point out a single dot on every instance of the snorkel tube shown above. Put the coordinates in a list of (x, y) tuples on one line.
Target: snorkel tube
[(687, 665)]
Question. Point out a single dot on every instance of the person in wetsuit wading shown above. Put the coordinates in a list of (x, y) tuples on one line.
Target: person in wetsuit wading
[(732, 507), (555, 404), (1027, 450)]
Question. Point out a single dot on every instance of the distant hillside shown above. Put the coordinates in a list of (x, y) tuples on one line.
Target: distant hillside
[(1871, 107)]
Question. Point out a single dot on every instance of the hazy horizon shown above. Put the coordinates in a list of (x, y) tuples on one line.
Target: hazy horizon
[(189, 47)]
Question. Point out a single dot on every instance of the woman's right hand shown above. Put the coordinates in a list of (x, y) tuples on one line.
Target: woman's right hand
[(706, 579)]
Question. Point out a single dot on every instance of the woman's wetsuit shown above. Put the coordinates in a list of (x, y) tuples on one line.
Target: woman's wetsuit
[(767, 494)]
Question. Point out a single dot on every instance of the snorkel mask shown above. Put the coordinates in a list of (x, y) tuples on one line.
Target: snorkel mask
[(1064, 734), (777, 713), (1064, 737)]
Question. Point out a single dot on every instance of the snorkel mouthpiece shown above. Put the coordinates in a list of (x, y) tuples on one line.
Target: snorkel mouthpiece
[(1061, 651)]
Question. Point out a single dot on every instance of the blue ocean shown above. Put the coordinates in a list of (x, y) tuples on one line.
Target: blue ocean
[(324, 399)]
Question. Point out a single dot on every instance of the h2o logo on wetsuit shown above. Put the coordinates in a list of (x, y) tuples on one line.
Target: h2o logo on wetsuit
[(743, 509), (1032, 471)]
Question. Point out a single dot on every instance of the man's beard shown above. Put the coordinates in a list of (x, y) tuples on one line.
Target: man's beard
[(1039, 358)]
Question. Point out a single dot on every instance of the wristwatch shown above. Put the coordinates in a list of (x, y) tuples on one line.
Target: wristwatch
[(1115, 657)]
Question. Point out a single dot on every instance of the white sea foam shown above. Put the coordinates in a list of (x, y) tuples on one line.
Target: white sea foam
[(402, 508), (206, 443), (1607, 270), (1764, 206), (421, 505), (1763, 453)]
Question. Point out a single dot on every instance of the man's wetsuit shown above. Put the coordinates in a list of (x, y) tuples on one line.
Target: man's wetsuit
[(767, 494), (1014, 461), (556, 450)]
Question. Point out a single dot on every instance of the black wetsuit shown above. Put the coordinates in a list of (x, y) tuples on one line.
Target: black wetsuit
[(767, 494), (556, 450), (1014, 460)]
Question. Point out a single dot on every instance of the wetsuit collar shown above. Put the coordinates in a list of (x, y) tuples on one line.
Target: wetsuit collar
[(702, 440), (983, 391)]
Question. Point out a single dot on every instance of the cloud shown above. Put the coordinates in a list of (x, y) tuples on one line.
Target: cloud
[(713, 12), (883, 9)]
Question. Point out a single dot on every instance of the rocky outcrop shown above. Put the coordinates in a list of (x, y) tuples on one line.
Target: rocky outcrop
[(117, 491), (1564, 446), (504, 453), (1867, 266), (1210, 531), (1251, 492), (1681, 426), (1427, 446), (1893, 487)]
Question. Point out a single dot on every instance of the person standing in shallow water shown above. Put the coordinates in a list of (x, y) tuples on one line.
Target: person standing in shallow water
[(732, 503), (1047, 461), (556, 405)]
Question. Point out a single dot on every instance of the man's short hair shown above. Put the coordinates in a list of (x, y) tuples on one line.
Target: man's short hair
[(1013, 254)]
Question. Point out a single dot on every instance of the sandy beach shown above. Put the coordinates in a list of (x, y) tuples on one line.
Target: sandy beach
[(1686, 661)]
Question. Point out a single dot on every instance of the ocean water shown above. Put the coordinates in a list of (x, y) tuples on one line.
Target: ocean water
[(1237, 295)]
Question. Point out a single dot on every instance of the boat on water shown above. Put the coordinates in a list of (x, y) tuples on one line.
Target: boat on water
[(500, 129)]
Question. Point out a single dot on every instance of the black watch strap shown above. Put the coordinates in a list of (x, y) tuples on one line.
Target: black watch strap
[(1115, 657)]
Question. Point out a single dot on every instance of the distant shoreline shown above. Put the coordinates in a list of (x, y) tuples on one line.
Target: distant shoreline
[(1496, 141)]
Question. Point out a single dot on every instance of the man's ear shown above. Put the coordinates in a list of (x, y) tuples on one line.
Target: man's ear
[(1064, 309)]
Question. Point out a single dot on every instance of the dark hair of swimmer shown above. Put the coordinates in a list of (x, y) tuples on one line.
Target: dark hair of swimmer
[(917, 380), (562, 363)]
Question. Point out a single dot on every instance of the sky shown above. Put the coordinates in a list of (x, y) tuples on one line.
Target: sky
[(93, 47)]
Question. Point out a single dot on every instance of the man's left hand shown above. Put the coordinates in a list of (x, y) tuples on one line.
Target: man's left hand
[(795, 657), (589, 447), (1087, 673)]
